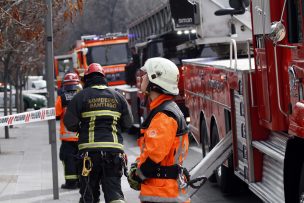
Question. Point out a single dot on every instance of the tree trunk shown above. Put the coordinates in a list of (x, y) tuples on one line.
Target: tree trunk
[(18, 90), (6, 66), (22, 86), (11, 101)]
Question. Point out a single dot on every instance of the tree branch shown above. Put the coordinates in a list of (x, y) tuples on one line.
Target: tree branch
[(11, 6), (12, 17)]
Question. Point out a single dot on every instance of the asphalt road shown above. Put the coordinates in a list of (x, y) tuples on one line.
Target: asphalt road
[(208, 193)]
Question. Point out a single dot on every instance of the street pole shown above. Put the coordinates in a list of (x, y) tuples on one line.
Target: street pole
[(51, 95)]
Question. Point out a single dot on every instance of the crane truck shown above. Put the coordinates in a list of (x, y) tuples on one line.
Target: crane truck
[(247, 113), (179, 30)]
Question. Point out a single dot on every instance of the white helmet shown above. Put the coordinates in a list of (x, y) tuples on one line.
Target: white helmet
[(163, 73)]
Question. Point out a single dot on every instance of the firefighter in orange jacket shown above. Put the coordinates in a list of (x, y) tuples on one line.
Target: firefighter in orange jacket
[(164, 142), (68, 148)]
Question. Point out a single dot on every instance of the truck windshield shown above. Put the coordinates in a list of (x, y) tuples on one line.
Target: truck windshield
[(155, 49), (65, 66), (108, 54)]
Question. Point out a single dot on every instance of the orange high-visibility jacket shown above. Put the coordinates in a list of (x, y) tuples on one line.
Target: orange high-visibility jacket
[(65, 135), (162, 146)]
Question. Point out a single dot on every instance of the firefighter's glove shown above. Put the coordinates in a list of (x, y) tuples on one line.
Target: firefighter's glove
[(133, 179)]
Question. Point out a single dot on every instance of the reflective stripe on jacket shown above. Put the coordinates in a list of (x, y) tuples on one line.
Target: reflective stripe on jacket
[(65, 135), (99, 114), (163, 145)]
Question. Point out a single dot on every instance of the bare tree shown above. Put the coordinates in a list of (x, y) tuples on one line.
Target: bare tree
[(22, 36), (22, 32)]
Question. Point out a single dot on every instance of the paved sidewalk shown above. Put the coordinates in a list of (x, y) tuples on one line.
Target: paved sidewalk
[(26, 168)]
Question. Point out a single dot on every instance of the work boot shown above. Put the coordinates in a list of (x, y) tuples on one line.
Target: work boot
[(71, 185)]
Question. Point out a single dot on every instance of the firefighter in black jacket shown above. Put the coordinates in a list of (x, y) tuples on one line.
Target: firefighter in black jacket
[(99, 114)]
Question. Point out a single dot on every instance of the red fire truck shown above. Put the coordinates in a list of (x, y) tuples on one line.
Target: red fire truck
[(179, 30), (110, 50), (155, 35), (253, 107)]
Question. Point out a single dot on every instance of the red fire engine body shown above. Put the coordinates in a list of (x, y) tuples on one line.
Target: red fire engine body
[(259, 101), (178, 30), (110, 50)]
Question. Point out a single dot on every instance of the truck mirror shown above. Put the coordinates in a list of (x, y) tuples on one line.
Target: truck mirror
[(277, 31), (66, 61), (238, 7), (246, 3), (74, 59), (84, 51)]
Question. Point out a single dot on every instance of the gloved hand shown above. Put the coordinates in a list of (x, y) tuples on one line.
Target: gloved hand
[(133, 179)]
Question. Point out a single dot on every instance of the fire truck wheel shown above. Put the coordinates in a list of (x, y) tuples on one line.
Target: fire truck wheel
[(301, 187), (203, 138), (205, 146), (294, 171), (224, 175)]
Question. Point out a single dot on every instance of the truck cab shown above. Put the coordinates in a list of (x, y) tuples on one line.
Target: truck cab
[(110, 51)]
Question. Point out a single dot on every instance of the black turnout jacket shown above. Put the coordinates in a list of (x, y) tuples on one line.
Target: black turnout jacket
[(99, 114)]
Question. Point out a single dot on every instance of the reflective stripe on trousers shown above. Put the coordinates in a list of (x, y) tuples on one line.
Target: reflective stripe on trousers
[(179, 199)]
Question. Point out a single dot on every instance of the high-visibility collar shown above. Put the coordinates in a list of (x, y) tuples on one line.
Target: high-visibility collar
[(159, 100)]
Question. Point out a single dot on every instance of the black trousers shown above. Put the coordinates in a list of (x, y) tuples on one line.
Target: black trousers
[(68, 155), (107, 170)]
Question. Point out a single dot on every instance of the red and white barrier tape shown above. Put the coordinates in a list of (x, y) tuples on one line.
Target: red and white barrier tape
[(28, 117)]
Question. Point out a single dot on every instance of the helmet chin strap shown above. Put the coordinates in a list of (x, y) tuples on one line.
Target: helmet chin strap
[(150, 87), (146, 99), (147, 94)]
